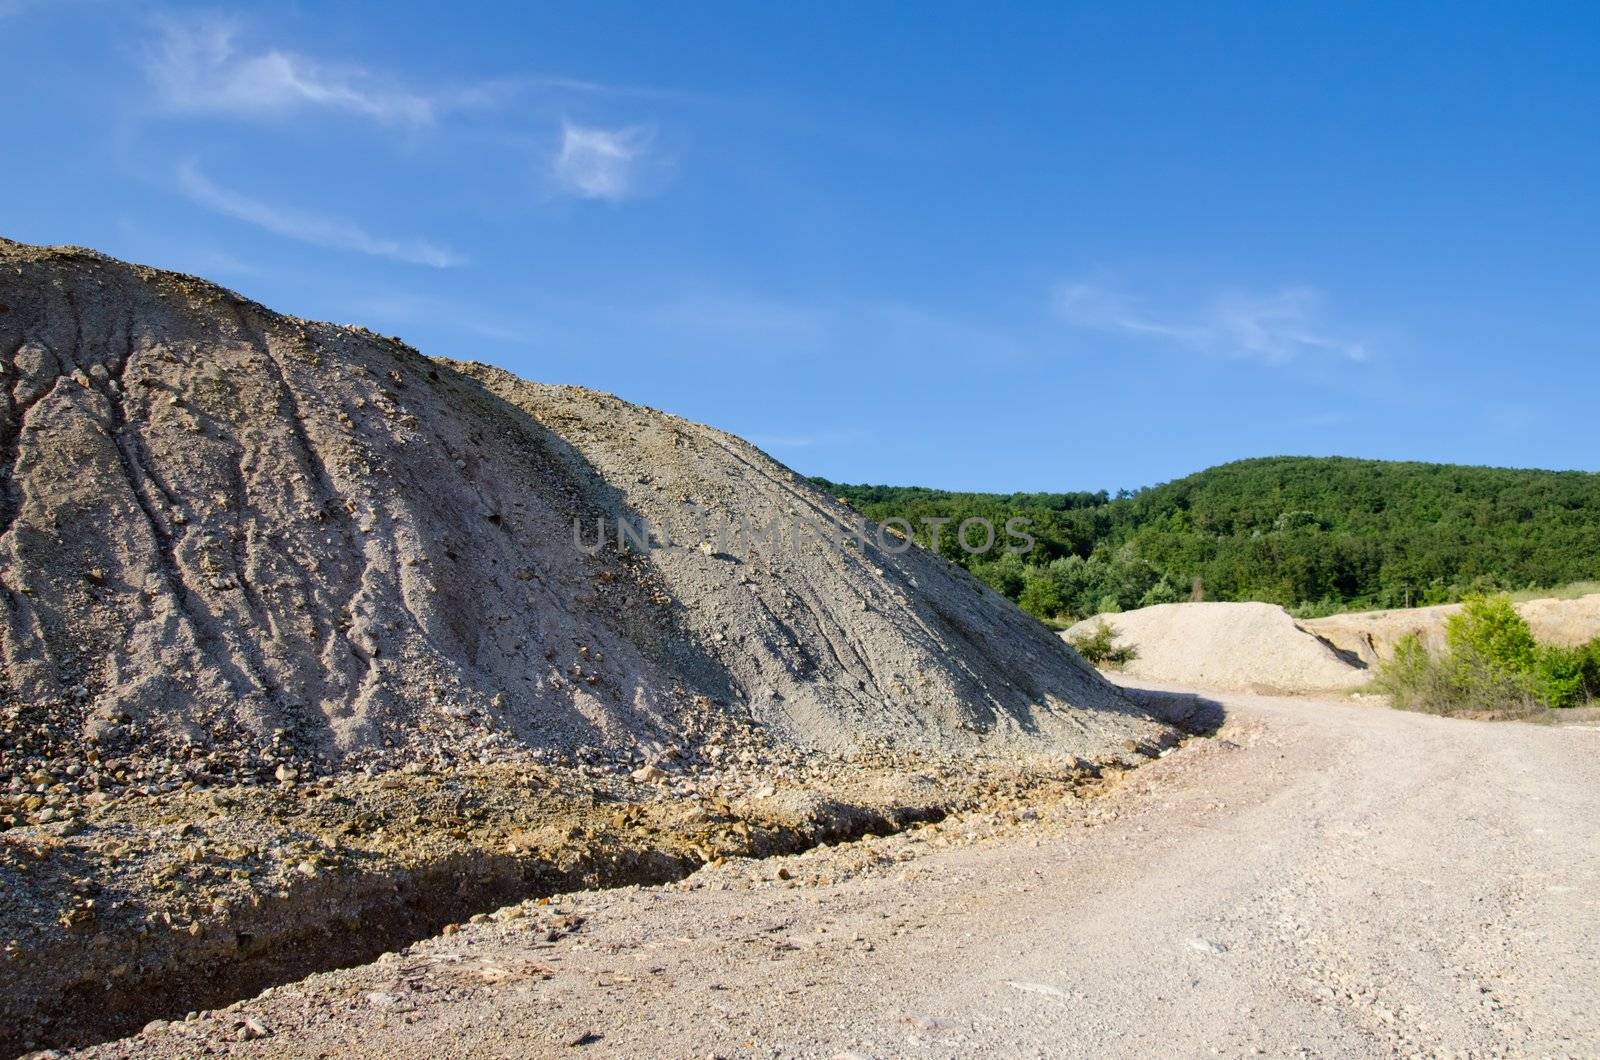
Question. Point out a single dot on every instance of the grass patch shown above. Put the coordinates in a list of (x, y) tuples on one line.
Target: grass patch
[(1570, 591)]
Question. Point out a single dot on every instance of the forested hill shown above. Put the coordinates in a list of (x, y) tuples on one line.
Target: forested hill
[(1317, 534)]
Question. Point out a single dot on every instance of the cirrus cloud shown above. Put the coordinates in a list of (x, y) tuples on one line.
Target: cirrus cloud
[(310, 228), (1272, 328), (201, 66)]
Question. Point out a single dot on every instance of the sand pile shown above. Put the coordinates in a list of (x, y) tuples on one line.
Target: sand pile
[(1236, 647), (1372, 635), (239, 544)]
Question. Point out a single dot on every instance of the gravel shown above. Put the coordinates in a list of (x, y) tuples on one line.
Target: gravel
[(1242, 647), (235, 544), (1319, 879), (301, 652)]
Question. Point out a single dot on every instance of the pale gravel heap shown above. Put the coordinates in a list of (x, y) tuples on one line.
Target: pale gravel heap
[(237, 542), (1239, 647)]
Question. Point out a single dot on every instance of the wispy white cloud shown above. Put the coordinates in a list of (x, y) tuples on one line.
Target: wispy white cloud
[(200, 65), (596, 163), (1272, 328), (309, 228)]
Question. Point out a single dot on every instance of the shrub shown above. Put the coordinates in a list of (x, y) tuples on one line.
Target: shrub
[(1492, 666), (1565, 676), (1040, 594), (1452, 683), (1100, 648), (1489, 632), (1410, 677)]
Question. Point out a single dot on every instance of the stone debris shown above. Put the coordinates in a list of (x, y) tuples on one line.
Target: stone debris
[(308, 633)]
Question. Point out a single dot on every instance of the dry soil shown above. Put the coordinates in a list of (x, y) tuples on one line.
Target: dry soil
[(1318, 879)]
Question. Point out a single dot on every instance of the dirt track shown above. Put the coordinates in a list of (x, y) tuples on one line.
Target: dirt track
[(1319, 877)]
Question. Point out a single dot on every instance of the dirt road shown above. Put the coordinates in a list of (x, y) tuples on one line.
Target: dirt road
[(1318, 878)]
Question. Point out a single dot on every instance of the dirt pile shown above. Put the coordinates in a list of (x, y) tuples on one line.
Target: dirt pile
[(1372, 635), (1240, 647), (237, 544), (310, 642)]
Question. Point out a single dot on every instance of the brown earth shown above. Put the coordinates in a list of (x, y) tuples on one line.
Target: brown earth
[(148, 907)]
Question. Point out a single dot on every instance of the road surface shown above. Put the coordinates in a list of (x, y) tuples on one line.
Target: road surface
[(1317, 878)]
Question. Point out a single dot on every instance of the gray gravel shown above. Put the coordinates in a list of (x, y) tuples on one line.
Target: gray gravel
[(234, 542)]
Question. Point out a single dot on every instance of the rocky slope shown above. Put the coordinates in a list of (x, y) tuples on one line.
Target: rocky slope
[(246, 559), (239, 543)]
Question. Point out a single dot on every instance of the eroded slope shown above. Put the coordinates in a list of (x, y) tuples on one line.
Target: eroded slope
[(238, 542)]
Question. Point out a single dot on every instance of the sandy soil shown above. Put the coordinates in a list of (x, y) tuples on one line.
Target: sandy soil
[(1372, 635), (1319, 878), (1237, 647)]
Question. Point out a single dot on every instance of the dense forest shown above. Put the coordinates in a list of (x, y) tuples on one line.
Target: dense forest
[(1314, 534)]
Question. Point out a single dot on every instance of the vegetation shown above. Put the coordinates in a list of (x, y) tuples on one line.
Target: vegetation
[(1316, 535), (1491, 666), (1570, 591), (1100, 648)]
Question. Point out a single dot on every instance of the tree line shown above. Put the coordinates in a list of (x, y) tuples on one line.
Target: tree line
[(1315, 534)]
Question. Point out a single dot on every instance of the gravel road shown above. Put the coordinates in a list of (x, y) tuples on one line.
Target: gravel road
[(1318, 878)]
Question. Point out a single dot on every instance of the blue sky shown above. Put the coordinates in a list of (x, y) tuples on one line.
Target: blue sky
[(1046, 247)]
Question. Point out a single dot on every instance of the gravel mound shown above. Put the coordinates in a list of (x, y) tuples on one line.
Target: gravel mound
[(241, 544), (1237, 647), (1372, 635)]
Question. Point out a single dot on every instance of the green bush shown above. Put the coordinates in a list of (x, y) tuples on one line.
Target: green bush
[(1411, 677), (1565, 676), (1100, 648), (1488, 632), (1452, 683), (1493, 666), (1040, 594)]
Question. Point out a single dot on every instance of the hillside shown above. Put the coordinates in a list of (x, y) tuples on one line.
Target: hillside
[(1318, 534)]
